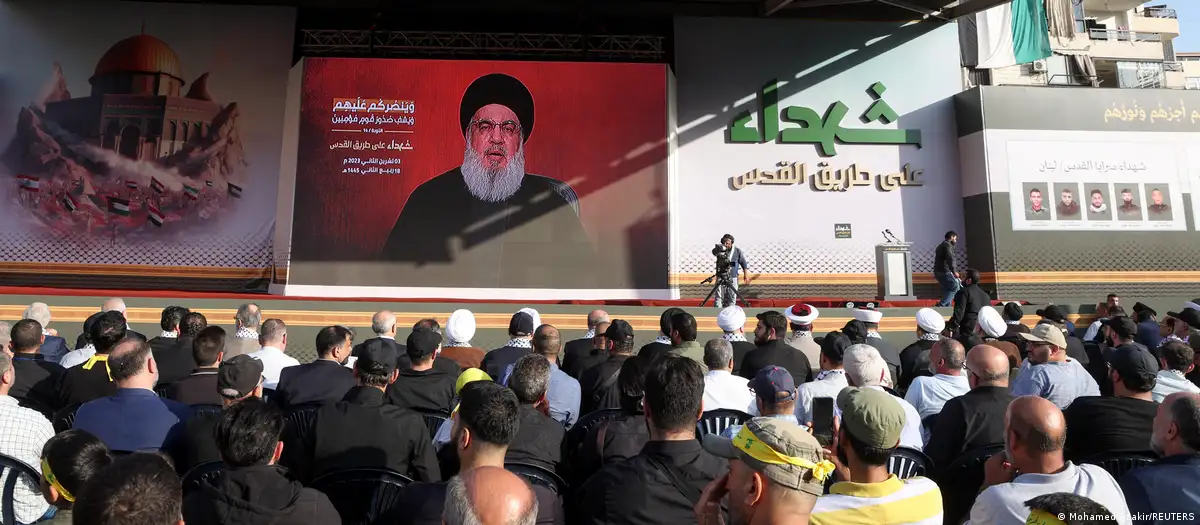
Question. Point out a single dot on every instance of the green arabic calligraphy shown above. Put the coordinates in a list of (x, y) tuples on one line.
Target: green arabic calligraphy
[(826, 131)]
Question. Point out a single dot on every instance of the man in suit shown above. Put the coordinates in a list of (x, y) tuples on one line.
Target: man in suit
[(245, 340), (178, 362), (383, 324), (322, 381), (583, 346), (887, 351), (54, 347), (520, 331), (732, 321), (172, 316), (967, 303), (114, 304)]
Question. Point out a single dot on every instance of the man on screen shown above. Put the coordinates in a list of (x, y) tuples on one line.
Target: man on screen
[(1036, 211), (1098, 204), (1067, 207), (1157, 206), (1127, 207), (488, 223)]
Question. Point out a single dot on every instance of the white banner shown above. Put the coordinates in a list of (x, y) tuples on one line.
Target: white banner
[(1095, 186)]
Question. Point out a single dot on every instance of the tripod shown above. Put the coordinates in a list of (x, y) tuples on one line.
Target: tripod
[(723, 285)]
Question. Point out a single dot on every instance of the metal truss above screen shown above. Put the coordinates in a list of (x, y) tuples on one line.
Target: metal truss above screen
[(341, 42)]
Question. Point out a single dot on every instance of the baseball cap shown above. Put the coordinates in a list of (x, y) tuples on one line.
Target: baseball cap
[(1137, 366), (1139, 308), (773, 385), (238, 376), (470, 375), (871, 416), (421, 343), (619, 330), (780, 450), (1053, 313), (377, 359), (521, 324), (1046, 333), (1123, 326)]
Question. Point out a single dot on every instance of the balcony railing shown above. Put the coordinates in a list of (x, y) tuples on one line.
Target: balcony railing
[(1123, 35), (1171, 65), (1158, 12)]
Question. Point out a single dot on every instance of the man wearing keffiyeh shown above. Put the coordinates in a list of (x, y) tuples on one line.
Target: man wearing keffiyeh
[(800, 319), (245, 340), (732, 321)]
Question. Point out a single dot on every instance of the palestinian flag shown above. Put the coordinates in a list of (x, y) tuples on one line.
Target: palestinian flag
[(69, 203), (154, 215), (29, 183), (131, 184), (118, 206), (157, 185), (192, 193), (235, 191)]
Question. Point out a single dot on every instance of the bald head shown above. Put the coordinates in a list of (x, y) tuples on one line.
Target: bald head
[(595, 317), (1037, 425), (546, 341), (1177, 425), (948, 355), (115, 304), (598, 340), (989, 364), (383, 323), (489, 496)]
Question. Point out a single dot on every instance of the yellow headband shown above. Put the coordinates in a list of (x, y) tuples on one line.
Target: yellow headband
[(53, 480), (1041, 517), (747, 442), (95, 359)]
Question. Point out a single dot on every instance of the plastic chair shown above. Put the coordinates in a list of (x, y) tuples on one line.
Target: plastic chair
[(200, 474), (538, 475), (960, 482), (301, 420), (583, 426), (14, 469), (716, 421), (363, 496), (909, 462), (64, 419), (1118, 463), (433, 421)]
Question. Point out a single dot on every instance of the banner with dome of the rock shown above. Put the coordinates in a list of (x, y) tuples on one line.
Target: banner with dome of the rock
[(140, 143)]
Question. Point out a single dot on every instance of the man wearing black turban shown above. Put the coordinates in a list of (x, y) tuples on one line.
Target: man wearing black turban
[(488, 223)]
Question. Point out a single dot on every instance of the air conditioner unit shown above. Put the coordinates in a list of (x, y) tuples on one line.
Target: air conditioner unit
[(1039, 66)]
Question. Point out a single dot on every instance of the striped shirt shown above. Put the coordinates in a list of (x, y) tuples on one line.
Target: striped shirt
[(915, 501)]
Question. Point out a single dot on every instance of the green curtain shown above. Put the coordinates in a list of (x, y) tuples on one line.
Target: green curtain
[(1031, 31)]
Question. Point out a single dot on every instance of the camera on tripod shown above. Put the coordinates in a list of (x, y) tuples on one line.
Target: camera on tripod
[(723, 264)]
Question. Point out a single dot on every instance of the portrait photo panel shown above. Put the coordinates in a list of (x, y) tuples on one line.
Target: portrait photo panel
[(1098, 202), (1158, 202), (1128, 201), (1037, 199), (480, 174), (1066, 205)]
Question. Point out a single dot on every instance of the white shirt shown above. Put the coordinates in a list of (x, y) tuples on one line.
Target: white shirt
[(833, 382), (1004, 504), (722, 389), (23, 433), (1169, 382), (77, 357), (1093, 330), (274, 361), (929, 394), (910, 435)]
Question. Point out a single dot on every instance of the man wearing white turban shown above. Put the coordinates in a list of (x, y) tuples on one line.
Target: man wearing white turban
[(732, 321), (800, 320), (993, 326), (460, 328), (914, 359)]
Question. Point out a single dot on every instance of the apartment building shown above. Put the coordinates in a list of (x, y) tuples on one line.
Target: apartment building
[(1114, 44)]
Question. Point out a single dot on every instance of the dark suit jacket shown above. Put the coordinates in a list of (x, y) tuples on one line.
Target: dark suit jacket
[(54, 348), (574, 350), (889, 353), (967, 303), (318, 382), (163, 344), (497, 360), (176, 363), (777, 353)]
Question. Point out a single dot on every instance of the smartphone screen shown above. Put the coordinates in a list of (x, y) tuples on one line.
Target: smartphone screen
[(823, 420)]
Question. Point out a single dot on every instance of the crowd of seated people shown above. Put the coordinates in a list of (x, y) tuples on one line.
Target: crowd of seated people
[(1002, 425)]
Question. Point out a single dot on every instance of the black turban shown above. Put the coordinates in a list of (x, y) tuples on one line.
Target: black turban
[(498, 88)]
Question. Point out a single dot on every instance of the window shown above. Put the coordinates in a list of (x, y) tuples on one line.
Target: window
[(1077, 11), (1139, 74), (1191, 83)]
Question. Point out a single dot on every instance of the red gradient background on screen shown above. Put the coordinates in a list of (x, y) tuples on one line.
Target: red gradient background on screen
[(600, 127)]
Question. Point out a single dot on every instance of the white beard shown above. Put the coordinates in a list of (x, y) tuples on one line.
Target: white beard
[(493, 185)]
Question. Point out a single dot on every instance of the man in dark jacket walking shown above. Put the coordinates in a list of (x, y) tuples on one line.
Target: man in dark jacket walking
[(254, 491), (944, 270), (967, 303)]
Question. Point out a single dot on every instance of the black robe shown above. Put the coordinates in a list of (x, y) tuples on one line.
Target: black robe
[(533, 239)]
